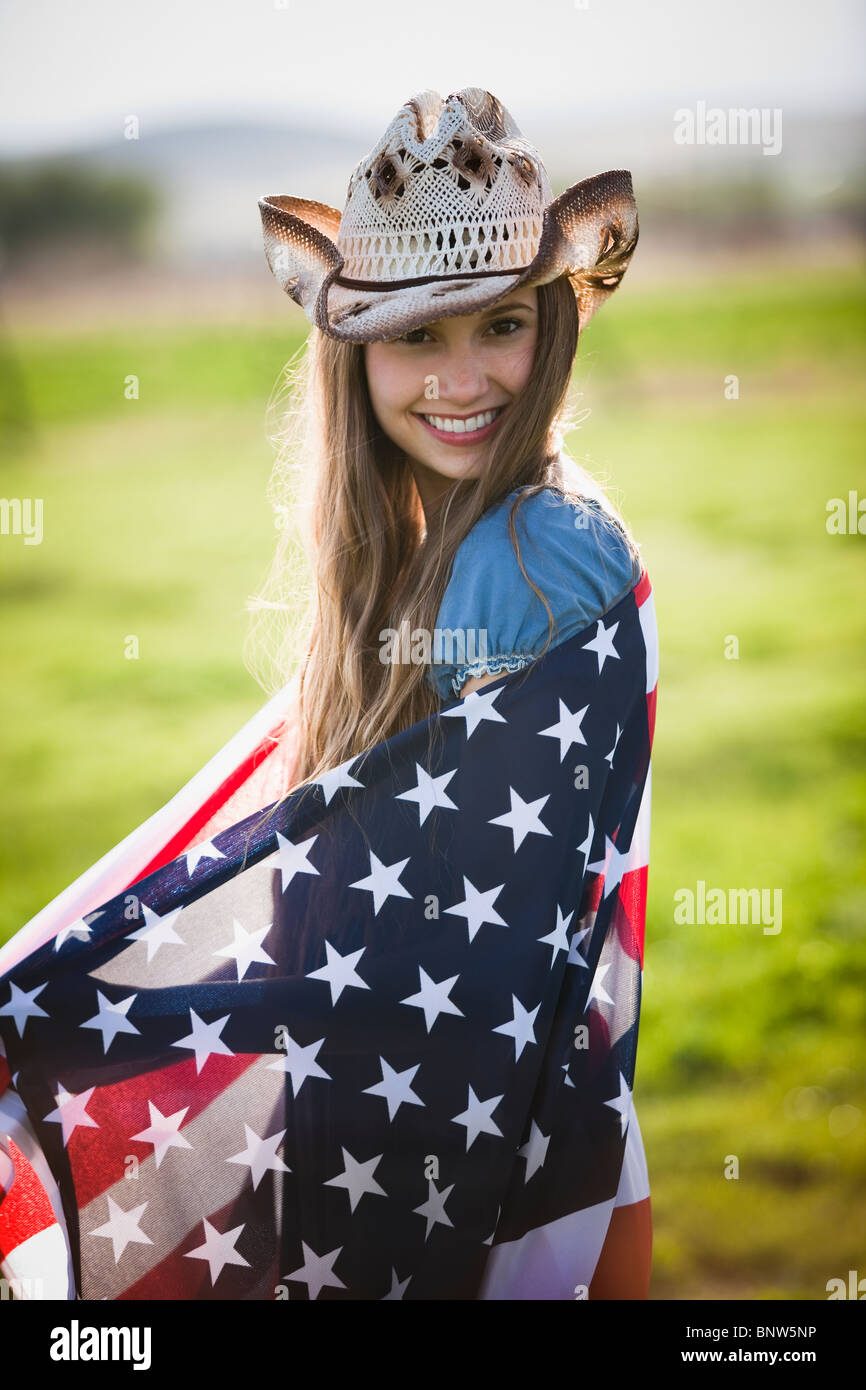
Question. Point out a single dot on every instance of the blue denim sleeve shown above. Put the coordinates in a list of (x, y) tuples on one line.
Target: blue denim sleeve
[(491, 621)]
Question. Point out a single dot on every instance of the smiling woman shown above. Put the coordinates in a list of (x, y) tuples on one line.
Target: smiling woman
[(395, 859), (441, 497)]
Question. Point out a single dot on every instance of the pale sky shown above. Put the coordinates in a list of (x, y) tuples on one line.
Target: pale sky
[(71, 72)]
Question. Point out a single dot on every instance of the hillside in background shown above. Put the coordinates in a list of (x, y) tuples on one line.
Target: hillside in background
[(195, 189)]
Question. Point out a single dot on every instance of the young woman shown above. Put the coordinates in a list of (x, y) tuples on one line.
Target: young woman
[(440, 506), (435, 485)]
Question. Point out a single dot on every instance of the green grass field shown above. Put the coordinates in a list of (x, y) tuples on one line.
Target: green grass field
[(156, 524)]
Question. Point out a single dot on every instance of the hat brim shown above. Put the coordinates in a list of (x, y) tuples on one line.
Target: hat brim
[(373, 315), (589, 234)]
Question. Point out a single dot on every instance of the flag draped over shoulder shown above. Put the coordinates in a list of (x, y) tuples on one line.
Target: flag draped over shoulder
[(378, 1042)]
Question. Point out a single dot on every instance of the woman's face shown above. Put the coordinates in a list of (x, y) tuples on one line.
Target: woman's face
[(429, 387)]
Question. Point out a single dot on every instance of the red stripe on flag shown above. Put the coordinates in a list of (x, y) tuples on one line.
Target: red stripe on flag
[(593, 894), (651, 712), (643, 589), (98, 1156), (25, 1210), (631, 921)]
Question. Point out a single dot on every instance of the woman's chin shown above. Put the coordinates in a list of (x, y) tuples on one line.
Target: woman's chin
[(468, 465)]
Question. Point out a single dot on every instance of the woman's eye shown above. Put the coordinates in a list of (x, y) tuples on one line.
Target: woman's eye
[(497, 323), (509, 324)]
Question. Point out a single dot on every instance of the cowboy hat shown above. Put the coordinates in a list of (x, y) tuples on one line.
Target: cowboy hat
[(450, 211)]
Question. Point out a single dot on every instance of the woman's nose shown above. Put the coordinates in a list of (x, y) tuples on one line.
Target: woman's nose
[(462, 381)]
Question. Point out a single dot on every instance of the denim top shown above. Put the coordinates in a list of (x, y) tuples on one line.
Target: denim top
[(579, 561)]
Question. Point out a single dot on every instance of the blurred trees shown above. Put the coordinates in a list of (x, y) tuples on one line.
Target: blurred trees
[(47, 204)]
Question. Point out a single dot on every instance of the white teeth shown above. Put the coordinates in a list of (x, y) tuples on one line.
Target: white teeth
[(453, 426)]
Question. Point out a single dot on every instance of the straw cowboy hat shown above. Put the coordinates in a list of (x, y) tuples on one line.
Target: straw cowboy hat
[(448, 213)]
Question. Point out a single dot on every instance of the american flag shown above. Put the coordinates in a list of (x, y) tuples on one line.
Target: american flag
[(380, 1045)]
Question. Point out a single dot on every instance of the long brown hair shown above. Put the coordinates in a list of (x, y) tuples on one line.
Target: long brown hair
[(341, 485)]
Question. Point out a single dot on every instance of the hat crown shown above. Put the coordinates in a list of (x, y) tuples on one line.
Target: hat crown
[(452, 187)]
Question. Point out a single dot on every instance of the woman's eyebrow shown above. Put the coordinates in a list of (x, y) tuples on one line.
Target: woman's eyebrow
[(501, 308)]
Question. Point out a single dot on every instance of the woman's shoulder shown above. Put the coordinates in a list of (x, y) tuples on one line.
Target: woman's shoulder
[(572, 549), (562, 538)]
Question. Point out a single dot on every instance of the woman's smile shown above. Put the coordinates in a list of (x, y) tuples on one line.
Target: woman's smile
[(461, 430)]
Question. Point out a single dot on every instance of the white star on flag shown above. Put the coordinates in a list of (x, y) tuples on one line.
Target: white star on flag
[(477, 1118), (602, 644), (163, 1132), (300, 1062), (292, 858), (489, 1239), (71, 1111), (613, 866), (395, 1087), (397, 1288), (520, 1026), (429, 792), (523, 818), (585, 848), (597, 989), (608, 757), (79, 926), (383, 881), (434, 1208), (478, 907), (558, 938), (337, 777), (218, 1250), (534, 1151), (122, 1228), (433, 998), (206, 850), (21, 1006), (317, 1271), (623, 1104), (339, 971), (568, 729), (205, 1039), (246, 948), (475, 707), (111, 1019), (260, 1155), (157, 931), (574, 956), (357, 1178)]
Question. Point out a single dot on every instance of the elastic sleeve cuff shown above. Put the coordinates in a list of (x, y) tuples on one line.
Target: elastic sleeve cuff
[(490, 666)]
